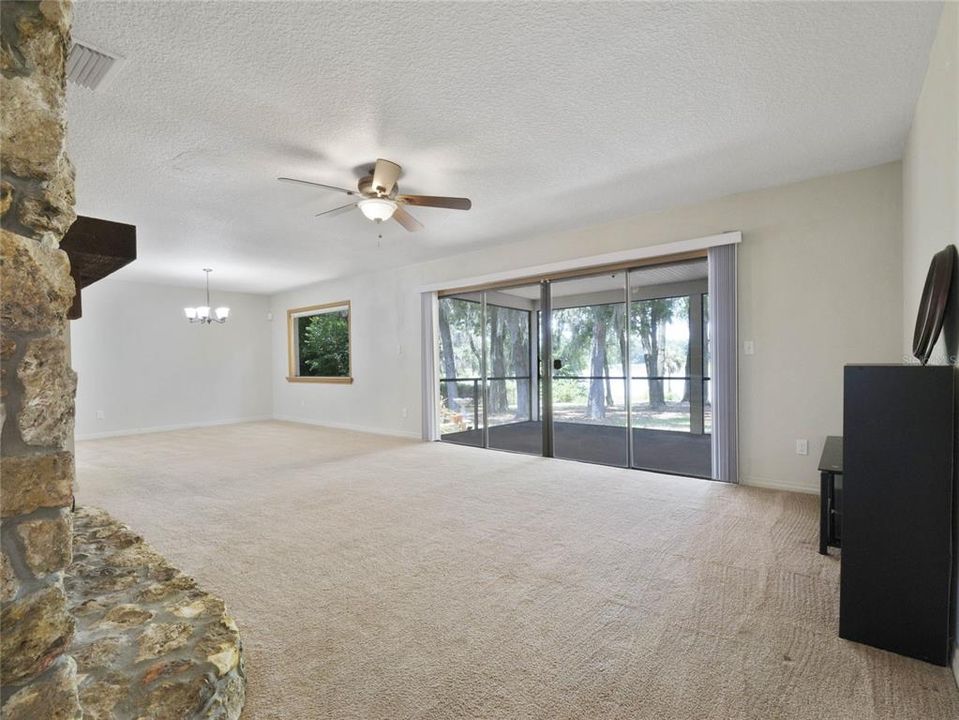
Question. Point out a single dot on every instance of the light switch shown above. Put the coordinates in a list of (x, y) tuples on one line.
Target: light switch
[(802, 447), (749, 348)]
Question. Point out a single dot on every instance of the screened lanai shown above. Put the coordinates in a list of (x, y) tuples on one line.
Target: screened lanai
[(628, 380)]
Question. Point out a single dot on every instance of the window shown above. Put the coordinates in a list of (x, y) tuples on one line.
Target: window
[(319, 343)]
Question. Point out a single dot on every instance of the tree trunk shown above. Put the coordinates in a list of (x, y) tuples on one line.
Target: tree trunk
[(596, 405), (497, 388), (448, 359), (652, 316), (609, 385), (619, 327), (689, 359), (519, 331), (619, 323), (656, 397)]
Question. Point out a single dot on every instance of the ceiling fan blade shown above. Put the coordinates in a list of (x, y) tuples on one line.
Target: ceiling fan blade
[(319, 185), (385, 175), (336, 211), (451, 203), (406, 220)]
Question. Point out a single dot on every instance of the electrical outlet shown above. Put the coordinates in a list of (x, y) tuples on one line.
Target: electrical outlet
[(749, 348), (101, 415), (405, 412), (802, 447)]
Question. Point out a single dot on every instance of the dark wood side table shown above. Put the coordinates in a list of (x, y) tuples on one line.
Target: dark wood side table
[(830, 502)]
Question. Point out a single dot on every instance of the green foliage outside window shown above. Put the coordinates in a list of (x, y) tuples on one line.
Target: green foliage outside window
[(324, 344), (588, 340)]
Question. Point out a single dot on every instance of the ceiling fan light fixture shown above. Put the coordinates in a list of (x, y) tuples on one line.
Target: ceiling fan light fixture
[(377, 209), (379, 199)]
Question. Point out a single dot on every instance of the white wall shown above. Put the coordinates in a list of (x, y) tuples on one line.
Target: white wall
[(931, 180), (820, 286), (141, 363)]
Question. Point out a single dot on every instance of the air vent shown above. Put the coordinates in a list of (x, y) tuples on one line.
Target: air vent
[(90, 67)]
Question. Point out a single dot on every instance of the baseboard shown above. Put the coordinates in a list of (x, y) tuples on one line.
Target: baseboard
[(779, 485), (170, 428), (348, 426), (955, 664)]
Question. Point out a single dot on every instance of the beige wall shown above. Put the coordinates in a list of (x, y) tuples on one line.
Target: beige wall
[(161, 372), (931, 180), (930, 189), (820, 286)]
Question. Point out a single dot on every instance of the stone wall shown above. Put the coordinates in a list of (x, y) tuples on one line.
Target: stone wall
[(150, 643), (37, 385)]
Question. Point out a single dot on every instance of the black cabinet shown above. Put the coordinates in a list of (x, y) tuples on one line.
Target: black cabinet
[(901, 451)]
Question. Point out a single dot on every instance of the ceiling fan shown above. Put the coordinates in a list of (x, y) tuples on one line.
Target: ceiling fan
[(380, 199)]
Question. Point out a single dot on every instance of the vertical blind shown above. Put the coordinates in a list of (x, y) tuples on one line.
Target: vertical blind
[(725, 371), (430, 379)]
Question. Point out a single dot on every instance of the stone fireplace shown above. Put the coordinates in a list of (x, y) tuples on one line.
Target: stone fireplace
[(36, 470), (148, 640)]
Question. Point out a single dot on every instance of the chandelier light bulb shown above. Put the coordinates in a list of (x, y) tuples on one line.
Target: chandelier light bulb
[(202, 314)]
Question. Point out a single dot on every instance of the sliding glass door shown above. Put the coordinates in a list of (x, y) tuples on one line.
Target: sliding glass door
[(668, 369), (608, 368), (462, 412), (489, 355), (588, 323), (512, 317)]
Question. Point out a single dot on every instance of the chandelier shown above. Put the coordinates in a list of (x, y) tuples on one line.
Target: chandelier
[(202, 314)]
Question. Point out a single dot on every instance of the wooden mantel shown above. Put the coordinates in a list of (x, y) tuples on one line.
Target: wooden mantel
[(97, 248)]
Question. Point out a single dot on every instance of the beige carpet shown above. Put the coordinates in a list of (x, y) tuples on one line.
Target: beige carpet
[(381, 578)]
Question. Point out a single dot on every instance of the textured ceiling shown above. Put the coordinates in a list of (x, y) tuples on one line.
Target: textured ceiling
[(547, 115)]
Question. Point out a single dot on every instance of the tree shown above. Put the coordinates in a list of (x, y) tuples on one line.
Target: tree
[(619, 329), (596, 402), (460, 328), (581, 341), (651, 319), (609, 384), (520, 360), (460, 337), (498, 401), (325, 345), (447, 354)]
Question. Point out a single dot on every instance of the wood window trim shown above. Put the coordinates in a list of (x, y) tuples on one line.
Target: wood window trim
[(291, 316)]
